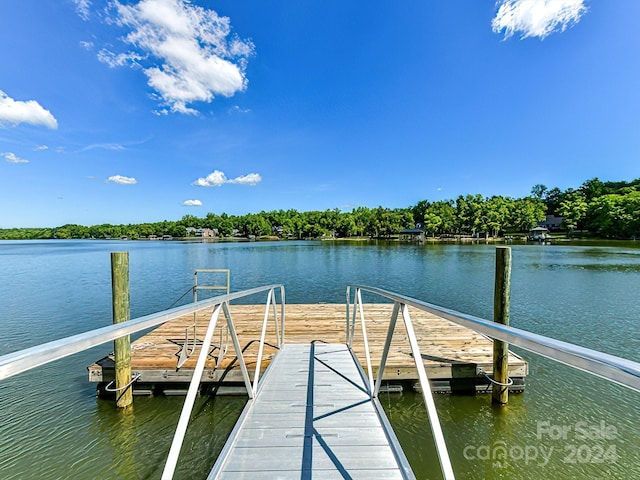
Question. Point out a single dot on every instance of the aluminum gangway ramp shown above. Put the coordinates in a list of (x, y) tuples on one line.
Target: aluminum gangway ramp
[(312, 417)]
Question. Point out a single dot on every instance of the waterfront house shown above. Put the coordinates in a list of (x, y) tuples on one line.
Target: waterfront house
[(551, 222)]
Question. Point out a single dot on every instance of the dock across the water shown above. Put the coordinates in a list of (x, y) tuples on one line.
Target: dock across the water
[(456, 359)]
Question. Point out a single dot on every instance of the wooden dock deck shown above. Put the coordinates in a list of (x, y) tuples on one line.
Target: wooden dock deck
[(452, 354), (312, 418)]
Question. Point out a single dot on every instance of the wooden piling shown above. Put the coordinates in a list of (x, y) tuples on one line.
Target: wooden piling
[(121, 313), (501, 307)]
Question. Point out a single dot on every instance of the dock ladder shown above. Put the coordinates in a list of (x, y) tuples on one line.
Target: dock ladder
[(186, 351)]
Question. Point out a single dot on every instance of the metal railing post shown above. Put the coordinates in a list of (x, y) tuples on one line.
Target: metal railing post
[(347, 330), (275, 316), (256, 375), (181, 429), (365, 340), (238, 349), (282, 314), (436, 429), (352, 331), (387, 346)]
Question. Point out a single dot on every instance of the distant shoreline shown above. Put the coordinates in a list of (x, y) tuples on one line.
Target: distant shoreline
[(452, 240)]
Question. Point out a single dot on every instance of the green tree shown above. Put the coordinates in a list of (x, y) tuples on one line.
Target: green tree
[(254, 224), (69, 231), (591, 189), (346, 225), (145, 229), (552, 199), (538, 191), (294, 223), (616, 216), (362, 218), (328, 221), (469, 210), (573, 208), (432, 222), (446, 212), (190, 221), (527, 213), (177, 230), (419, 211), (225, 225), (497, 214)]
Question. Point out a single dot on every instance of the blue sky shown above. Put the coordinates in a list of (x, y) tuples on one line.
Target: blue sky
[(126, 112)]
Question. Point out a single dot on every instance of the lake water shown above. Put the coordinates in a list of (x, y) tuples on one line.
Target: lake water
[(566, 425)]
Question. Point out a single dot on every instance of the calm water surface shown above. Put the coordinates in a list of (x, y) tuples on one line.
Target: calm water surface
[(566, 425)]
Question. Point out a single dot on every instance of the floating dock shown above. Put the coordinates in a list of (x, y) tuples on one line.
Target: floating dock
[(456, 359)]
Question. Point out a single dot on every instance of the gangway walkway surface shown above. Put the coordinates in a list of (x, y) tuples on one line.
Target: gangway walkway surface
[(312, 417)]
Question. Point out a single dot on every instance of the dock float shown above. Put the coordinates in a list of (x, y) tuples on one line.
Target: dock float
[(313, 417), (457, 359)]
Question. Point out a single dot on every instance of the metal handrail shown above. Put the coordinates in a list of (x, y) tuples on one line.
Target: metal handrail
[(194, 385), (615, 369), (17, 362), (436, 429)]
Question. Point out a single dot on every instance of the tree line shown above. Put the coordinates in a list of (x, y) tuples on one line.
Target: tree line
[(608, 209), (605, 209)]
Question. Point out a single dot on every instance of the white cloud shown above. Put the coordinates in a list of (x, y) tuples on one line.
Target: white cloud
[(120, 180), (15, 112), (82, 8), (537, 18), (120, 59), (40, 147), (238, 109), (186, 51), (12, 158), (250, 179), (218, 178), (192, 203), (103, 146), (86, 45), (214, 179)]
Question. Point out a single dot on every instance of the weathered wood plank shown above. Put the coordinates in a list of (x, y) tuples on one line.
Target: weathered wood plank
[(448, 350)]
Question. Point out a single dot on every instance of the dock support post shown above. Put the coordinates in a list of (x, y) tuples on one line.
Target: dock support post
[(501, 307), (121, 313)]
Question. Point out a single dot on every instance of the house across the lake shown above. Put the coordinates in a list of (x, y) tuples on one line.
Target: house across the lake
[(551, 222), (201, 232)]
